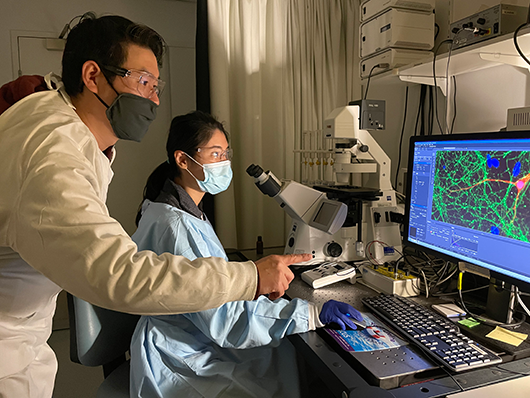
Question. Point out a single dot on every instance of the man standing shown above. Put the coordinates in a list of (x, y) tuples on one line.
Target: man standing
[(56, 148)]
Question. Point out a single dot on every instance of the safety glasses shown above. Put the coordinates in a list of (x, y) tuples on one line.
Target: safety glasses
[(143, 82), (215, 153)]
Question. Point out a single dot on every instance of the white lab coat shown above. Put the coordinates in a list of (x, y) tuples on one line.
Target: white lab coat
[(53, 186)]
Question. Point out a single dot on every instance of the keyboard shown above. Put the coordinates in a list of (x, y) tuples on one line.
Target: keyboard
[(437, 336)]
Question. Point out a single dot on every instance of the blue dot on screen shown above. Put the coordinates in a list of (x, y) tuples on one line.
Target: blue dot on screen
[(517, 169), (492, 162), (495, 230)]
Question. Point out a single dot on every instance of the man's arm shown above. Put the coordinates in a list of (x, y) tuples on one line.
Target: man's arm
[(62, 228), (275, 275)]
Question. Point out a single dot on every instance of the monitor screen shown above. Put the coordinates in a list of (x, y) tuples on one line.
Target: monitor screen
[(468, 198)]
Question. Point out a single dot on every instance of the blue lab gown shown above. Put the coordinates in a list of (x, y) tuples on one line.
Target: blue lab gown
[(235, 350)]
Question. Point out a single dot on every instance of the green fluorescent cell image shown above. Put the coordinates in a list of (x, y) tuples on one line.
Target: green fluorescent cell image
[(483, 190)]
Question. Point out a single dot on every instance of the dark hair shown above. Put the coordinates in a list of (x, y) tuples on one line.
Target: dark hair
[(104, 40), (187, 133)]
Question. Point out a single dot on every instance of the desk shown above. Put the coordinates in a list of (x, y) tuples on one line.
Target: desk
[(340, 375), (337, 365)]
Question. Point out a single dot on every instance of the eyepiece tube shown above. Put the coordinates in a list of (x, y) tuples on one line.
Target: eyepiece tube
[(263, 180), (254, 170)]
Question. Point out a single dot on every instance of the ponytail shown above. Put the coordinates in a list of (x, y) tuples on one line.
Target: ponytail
[(154, 185)]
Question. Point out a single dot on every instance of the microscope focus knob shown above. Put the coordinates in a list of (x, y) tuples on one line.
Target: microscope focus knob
[(333, 249), (364, 148)]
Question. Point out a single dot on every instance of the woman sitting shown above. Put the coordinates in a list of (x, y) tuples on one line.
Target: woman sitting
[(236, 350)]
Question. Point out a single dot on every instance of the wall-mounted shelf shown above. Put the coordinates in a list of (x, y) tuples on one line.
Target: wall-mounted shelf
[(496, 51)]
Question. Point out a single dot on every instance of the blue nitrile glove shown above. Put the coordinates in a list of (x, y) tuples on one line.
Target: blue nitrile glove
[(339, 313)]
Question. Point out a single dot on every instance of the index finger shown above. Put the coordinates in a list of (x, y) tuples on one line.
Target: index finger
[(354, 313), (289, 259)]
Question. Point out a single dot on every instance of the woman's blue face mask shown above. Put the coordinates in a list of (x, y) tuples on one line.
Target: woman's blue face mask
[(217, 176)]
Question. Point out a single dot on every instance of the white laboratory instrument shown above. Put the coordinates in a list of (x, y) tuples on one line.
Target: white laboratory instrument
[(361, 162), (327, 273), (342, 222), (398, 28), (302, 203), (371, 8)]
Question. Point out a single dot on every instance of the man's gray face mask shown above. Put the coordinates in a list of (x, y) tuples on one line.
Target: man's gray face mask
[(130, 116)]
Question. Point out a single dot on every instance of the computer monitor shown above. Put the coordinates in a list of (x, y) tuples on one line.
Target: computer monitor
[(468, 199)]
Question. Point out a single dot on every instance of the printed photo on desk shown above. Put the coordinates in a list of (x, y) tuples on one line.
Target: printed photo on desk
[(374, 337)]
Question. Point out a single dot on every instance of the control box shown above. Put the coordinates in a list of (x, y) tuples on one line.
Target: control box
[(388, 281), (397, 28), (395, 58), (328, 273), (371, 114), (518, 119), (495, 21), (370, 8)]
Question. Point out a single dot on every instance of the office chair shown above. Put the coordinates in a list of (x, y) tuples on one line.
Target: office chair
[(101, 337)]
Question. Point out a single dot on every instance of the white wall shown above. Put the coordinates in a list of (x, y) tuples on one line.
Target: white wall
[(175, 21)]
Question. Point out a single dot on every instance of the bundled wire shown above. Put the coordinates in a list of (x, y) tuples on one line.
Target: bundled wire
[(486, 320), (372, 259), (432, 272)]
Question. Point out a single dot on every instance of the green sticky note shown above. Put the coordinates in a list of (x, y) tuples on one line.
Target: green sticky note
[(469, 322)]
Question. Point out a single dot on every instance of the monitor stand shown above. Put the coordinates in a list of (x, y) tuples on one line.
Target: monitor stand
[(501, 298)]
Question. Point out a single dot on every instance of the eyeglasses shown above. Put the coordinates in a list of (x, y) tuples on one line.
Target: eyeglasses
[(215, 154), (143, 82)]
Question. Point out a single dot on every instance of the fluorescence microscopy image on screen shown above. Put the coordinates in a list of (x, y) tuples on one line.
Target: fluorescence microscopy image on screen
[(485, 191)]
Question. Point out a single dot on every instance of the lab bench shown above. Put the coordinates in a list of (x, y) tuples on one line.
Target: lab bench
[(346, 376)]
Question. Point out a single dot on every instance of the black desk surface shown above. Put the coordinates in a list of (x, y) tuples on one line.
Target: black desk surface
[(344, 381)]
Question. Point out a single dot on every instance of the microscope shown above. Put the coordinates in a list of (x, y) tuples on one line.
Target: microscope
[(355, 219)]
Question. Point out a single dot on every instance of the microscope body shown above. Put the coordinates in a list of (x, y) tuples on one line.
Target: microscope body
[(343, 222)]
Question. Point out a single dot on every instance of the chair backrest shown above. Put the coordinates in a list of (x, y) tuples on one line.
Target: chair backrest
[(98, 336)]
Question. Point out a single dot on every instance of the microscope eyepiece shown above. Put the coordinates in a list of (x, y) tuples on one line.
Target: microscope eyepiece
[(254, 170), (264, 181)]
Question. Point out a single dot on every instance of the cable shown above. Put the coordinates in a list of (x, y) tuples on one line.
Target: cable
[(513, 371), (431, 111), (435, 83), (463, 291), (451, 41), (482, 319), (421, 111), (454, 106), (447, 81), (448, 277), (381, 65), (402, 131), (417, 119), (452, 377), (520, 301), (515, 37), (426, 285), (371, 257), (423, 94)]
